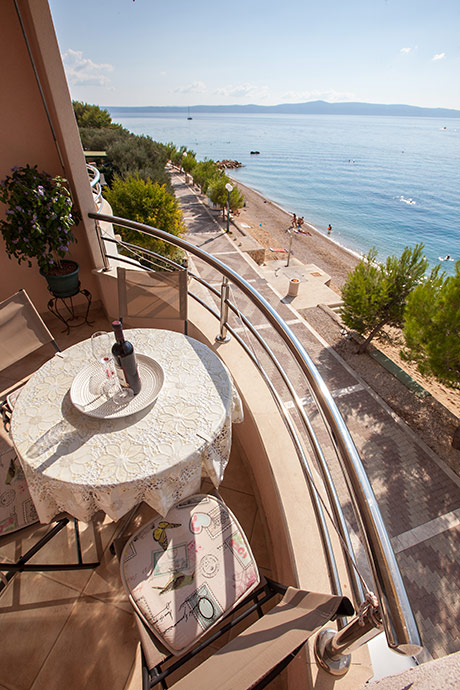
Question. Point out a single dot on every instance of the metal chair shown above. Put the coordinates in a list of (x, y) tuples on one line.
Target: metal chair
[(22, 331), (191, 578), (146, 296)]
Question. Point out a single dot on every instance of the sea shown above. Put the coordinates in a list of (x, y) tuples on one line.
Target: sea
[(383, 182)]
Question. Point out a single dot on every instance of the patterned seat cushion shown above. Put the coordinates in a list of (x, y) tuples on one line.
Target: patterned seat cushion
[(16, 507), (185, 571)]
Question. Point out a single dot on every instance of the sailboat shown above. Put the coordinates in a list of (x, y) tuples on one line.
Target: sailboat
[(189, 116)]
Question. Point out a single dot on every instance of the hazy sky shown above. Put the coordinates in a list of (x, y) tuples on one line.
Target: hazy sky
[(147, 52)]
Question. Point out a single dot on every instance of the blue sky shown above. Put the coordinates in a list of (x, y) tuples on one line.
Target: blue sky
[(147, 52)]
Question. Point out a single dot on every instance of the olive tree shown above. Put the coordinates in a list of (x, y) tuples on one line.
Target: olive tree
[(218, 194), (204, 172), (176, 156), (375, 294), (188, 162)]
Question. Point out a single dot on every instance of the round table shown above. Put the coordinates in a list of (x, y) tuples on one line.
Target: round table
[(79, 464)]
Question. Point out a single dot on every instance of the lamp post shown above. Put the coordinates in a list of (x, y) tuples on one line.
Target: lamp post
[(290, 247), (229, 189)]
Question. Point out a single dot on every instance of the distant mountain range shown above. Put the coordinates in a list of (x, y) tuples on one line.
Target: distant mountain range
[(310, 108)]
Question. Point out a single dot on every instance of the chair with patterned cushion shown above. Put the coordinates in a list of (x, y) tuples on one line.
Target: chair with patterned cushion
[(191, 577), (22, 331)]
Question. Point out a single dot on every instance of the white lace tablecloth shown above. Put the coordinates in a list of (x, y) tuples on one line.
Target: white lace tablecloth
[(79, 464)]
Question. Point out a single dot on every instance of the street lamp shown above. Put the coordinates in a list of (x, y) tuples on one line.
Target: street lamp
[(290, 246), (229, 189)]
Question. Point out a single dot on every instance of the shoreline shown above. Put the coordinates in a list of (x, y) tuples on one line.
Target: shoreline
[(334, 259), (356, 255), (267, 222)]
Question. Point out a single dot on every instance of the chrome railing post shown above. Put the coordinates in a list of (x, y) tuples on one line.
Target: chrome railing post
[(333, 648), (223, 336), (97, 227)]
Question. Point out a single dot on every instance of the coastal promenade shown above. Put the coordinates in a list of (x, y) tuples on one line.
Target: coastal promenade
[(418, 494)]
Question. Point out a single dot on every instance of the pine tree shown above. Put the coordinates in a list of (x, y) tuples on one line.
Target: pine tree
[(375, 295), (432, 326)]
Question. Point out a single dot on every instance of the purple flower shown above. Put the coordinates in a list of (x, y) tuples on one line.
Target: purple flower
[(40, 190)]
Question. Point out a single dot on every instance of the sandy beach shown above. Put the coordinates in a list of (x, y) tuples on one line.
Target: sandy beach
[(268, 224)]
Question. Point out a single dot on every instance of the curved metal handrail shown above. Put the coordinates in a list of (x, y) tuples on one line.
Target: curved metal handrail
[(397, 617), (95, 182)]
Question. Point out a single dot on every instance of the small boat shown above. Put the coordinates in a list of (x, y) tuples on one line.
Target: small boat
[(255, 153)]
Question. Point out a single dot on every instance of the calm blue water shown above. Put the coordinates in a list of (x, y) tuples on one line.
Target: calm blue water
[(386, 182)]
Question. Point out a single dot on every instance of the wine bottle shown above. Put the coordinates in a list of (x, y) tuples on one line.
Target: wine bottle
[(125, 360)]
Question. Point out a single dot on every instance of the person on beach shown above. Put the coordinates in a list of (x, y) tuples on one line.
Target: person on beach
[(294, 220), (329, 229)]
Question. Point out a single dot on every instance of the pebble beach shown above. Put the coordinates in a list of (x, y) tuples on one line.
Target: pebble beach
[(268, 223)]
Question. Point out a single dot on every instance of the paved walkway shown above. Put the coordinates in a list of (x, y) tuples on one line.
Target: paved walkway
[(419, 497)]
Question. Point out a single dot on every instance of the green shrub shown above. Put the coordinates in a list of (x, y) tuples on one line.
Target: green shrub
[(148, 202)]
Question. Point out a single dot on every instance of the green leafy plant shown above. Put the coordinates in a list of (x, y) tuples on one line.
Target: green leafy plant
[(149, 203), (204, 173), (39, 217), (375, 295), (91, 115), (432, 326), (218, 194)]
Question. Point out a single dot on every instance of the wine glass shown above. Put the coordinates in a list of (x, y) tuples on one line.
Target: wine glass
[(101, 345), (107, 383), (112, 387)]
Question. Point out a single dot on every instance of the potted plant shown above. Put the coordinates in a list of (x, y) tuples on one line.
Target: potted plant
[(38, 224)]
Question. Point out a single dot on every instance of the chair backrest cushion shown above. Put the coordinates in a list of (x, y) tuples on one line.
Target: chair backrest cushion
[(186, 571), (21, 328), (16, 507)]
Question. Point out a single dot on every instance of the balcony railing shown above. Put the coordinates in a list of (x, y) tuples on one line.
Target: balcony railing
[(392, 609), (95, 182)]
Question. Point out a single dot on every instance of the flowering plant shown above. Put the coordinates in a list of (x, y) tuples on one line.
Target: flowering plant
[(39, 217)]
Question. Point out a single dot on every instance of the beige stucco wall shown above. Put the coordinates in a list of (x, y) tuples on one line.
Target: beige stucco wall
[(27, 136)]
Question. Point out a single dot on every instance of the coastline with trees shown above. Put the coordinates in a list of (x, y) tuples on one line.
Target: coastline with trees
[(382, 301)]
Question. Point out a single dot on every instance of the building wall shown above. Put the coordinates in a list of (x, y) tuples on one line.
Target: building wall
[(27, 136)]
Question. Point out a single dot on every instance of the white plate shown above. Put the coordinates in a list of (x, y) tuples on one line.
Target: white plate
[(86, 383)]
